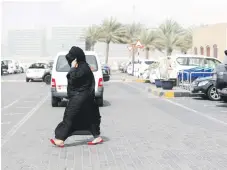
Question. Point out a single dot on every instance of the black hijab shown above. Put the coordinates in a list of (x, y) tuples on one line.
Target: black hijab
[(75, 53)]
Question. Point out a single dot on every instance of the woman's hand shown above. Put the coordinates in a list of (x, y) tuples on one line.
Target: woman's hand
[(74, 64)]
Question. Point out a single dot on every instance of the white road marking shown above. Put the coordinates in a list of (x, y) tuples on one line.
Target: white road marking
[(5, 123), (15, 128), (7, 106), (11, 114), (197, 112), (186, 108)]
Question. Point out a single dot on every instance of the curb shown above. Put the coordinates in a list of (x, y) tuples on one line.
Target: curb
[(170, 93)]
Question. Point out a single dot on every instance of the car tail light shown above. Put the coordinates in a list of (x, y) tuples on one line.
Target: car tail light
[(53, 82), (100, 83)]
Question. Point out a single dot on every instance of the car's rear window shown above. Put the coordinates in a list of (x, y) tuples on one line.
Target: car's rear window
[(63, 66), (38, 66), (149, 62)]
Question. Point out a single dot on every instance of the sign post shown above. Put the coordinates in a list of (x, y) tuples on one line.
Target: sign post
[(132, 48)]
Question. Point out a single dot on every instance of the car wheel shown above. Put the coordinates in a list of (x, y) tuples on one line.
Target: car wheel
[(47, 79), (212, 94), (99, 101), (27, 79), (54, 101)]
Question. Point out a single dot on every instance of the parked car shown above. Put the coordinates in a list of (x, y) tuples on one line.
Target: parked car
[(13, 66), (143, 66), (4, 68), (59, 81), (154, 72), (221, 80), (170, 66), (106, 67), (37, 71), (206, 88)]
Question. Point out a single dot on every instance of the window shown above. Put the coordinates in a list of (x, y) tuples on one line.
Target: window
[(193, 61), (38, 66), (63, 66), (212, 63), (208, 51), (195, 51), (201, 50), (215, 50), (182, 60), (149, 62)]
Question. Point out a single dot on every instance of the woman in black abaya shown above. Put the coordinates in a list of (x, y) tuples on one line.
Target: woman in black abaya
[(82, 112)]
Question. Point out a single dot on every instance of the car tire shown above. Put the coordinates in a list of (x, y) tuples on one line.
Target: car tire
[(47, 79), (54, 101), (99, 101), (212, 94), (27, 79)]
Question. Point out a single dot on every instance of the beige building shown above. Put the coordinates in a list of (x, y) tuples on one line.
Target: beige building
[(210, 40)]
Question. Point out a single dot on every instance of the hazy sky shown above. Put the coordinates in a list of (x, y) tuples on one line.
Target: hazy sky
[(186, 12)]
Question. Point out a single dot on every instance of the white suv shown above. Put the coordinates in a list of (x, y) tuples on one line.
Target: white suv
[(59, 80)]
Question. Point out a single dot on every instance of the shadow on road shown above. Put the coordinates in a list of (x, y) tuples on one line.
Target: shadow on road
[(84, 142)]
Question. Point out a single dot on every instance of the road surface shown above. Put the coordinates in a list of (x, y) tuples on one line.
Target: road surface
[(141, 131)]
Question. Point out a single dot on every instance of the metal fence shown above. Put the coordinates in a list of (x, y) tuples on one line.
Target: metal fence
[(185, 79)]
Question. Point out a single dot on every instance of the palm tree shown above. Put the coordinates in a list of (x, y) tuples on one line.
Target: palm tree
[(170, 35), (92, 36), (186, 41), (112, 31), (133, 32), (148, 39)]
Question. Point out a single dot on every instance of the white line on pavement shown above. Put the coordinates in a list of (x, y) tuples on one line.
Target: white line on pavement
[(186, 108), (197, 112), (14, 129), (5, 123), (7, 106)]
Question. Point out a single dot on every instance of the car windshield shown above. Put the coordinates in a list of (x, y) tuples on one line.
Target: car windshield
[(38, 66), (149, 62), (63, 66)]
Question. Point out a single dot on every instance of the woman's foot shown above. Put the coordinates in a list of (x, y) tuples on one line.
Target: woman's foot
[(57, 142), (97, 140)]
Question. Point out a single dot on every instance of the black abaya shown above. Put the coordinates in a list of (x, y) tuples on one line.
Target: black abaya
[(82, 112)]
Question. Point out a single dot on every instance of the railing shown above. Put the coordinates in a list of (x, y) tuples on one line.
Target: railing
[(188, 83)]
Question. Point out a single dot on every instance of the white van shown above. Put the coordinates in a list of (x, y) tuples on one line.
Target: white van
[(59, 80), (170, 66)]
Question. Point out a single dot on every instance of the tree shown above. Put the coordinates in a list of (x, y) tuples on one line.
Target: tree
[(133, 32), (169, 36), (92, 36), (112, 31), (148, 39), (185, 42)]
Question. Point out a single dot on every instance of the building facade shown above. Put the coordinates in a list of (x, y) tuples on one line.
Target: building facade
[(210, 40)]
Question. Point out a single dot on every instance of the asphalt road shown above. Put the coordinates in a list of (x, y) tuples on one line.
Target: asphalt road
[(141, 131)]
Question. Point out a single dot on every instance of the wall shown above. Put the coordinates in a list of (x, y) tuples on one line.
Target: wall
[(209, 36)]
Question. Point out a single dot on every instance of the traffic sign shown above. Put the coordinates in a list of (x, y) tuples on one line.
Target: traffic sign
[(138, 44)]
